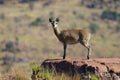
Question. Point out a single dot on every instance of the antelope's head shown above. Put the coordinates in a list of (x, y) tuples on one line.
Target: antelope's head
[(54, 23)]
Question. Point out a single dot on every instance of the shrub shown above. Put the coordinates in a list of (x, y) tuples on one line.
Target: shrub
[(31, 6), (88, 77), (118, 28), (92, 5), (9, 45), (40, 72), (94, 77), (109, 14), (1, 1), (2, 16), (94, 27), (25, 1), (118, 18), (37, 22), (51, 14)]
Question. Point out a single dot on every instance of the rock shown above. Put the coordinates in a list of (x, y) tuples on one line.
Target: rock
[(102, 67)]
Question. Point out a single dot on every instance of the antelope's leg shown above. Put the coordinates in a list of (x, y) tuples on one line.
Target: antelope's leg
[(86, 44), (89, 52), (64, 46)]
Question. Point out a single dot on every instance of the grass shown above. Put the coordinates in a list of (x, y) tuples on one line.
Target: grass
[(17, 75)]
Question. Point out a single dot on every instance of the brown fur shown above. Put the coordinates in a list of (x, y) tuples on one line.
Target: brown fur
[(71, 37)]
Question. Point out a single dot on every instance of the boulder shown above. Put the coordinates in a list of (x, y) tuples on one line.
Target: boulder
[(102, 67)]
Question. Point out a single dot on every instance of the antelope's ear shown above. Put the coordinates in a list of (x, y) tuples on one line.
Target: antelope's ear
[(50, 20), (57, 19)]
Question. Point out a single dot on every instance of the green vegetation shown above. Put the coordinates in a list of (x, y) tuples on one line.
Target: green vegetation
[(118, 18), (94, 77), (9, 45), (118, 28), (94, 27), (42, 73), (37, 22), (88, 77), (110, 15)]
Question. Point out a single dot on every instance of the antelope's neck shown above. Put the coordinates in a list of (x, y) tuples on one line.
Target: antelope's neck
[(56, 31)]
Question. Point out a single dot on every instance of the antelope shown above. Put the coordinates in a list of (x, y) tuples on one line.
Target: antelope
[(71, 37)]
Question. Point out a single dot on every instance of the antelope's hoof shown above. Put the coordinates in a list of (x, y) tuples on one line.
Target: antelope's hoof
[(63, 57), (88, 57)]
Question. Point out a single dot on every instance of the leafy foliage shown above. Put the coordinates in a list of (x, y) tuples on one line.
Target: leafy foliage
[(94, 27), (12, 46), (42, 73), (37, 22), (118, 18), (31, 6), (25, 1), (110, 15), (88, 76), (118, 28), (94, 77), (9, 45)]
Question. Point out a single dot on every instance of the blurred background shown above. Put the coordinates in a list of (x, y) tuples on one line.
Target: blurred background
[(26, 36)]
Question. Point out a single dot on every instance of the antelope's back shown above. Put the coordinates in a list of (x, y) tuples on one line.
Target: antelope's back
[(70, 36), (77, 34)]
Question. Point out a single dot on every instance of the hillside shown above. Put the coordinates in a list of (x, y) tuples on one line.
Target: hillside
[(26, 35)]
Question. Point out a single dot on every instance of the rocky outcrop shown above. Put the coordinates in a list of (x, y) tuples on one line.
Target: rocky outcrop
[(104, 68), (101, 3)]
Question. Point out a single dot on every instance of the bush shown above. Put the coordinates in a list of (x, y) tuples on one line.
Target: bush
[(31, 6), (2, 16), (25, 1), (9, 45), (118, 18), (1, 1), (109, 14), (40, 72), (51, 14), (37, 22), (118, 28), (94, 27)]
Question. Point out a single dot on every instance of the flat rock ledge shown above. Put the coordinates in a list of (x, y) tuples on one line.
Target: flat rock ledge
[(104, 68)]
